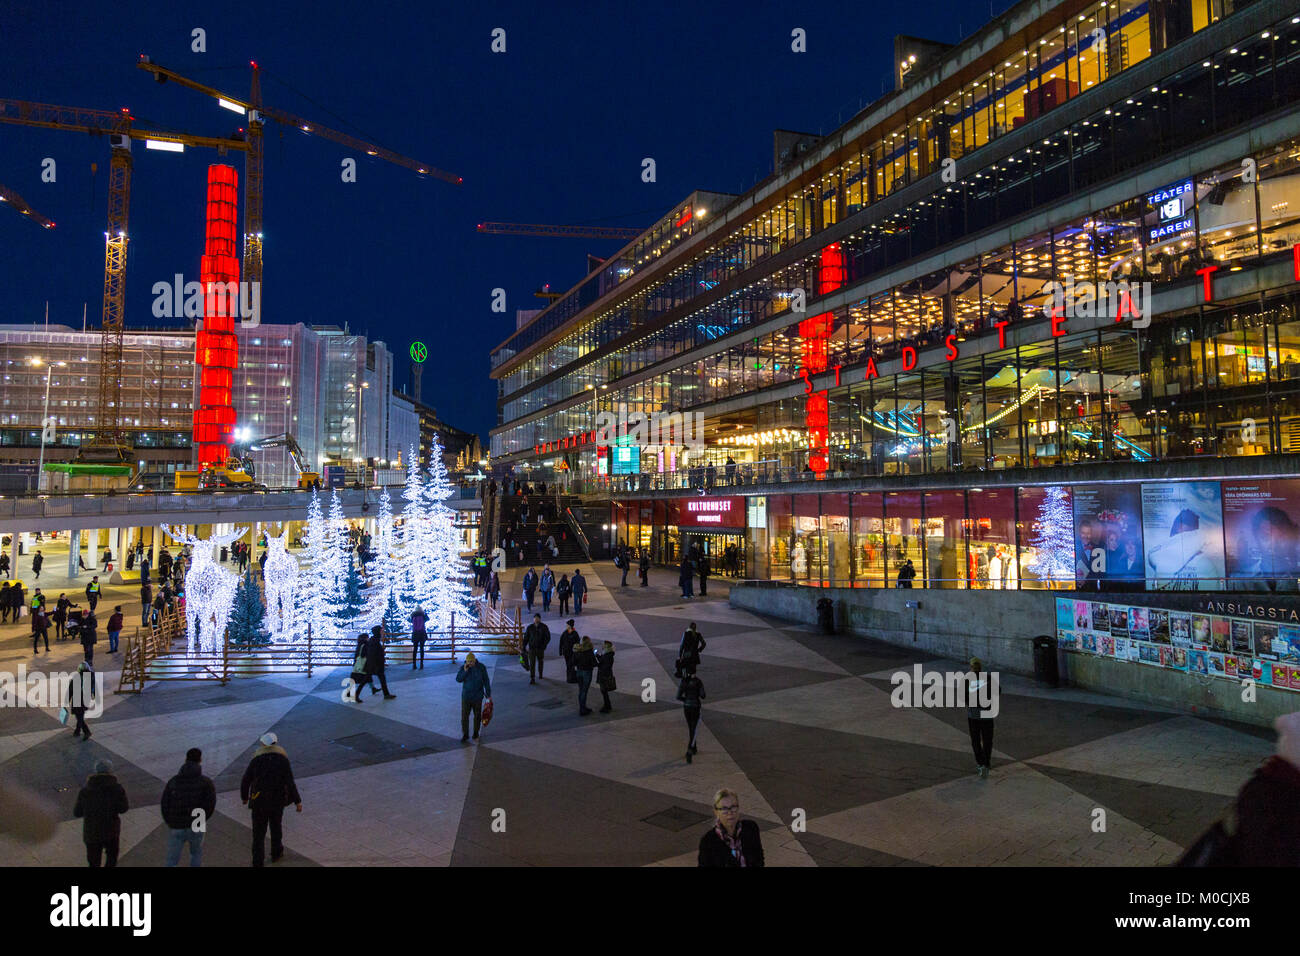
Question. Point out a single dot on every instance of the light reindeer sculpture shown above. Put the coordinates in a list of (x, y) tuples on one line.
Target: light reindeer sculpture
[(281, 575), (209, 589)]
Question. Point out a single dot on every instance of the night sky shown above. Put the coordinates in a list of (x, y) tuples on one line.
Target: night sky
[(553, 130)]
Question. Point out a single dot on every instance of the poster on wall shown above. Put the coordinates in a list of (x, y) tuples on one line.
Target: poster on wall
[(1108, 537), (1182, 528), (1262, 534)]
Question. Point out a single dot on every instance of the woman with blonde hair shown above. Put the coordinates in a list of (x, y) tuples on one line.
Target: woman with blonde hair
[(732, 841)]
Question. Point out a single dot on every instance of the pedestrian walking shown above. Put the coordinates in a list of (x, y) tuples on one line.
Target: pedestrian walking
[(266, 789), (688, 652), (563, 591), (536, 639), (547, 585), (146, 602), (114, 628), (40, 626), (569, 640), (188, 802), (5, 598), (89, 624), (979, 717), (578, 587), (645, 569), (474, 688), (704, 570), (375, 661), (494, 589), (100, 804), (92, 593), (530, 587), (159, 607), (905, 575), (584, 662), (686, 577), (418, 636), (621, 562), (81, 691), (4, 565), (16, 600), (605, 674), (691, 693), (37, 561), (732, 841), (60, 616)]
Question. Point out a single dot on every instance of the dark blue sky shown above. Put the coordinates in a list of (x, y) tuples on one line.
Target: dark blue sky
[(554, 130)]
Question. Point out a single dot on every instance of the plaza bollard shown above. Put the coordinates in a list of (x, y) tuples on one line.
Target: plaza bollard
[(1045, 668)]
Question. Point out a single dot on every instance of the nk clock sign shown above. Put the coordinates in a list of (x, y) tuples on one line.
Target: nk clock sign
[(418, 352)]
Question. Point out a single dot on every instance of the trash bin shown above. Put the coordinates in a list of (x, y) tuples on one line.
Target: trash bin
[(1045, 668), (826, 615)]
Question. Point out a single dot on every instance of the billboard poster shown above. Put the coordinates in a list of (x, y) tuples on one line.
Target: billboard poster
[(1278, 673), (1182, 527), (1265, 637), (1159, 623), (1216, 664), (1100, 618), (1064, 614), (1219, 634), (1082, 616), (1118, 621), (1201, 630), (1108, 537), (1180, 630), (1287, 643), (1241, 642), (1139, 624), (1197, 663), (1262, 534)]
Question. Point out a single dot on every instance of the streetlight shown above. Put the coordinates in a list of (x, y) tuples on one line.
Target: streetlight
[(49, 370)]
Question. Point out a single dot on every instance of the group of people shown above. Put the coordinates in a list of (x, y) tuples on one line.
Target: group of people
[(694, 562), (564, 590), (188, 806), (623, 561)]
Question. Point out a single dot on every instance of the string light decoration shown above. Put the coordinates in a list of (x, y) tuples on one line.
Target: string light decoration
[(383, 569), (281, 579), (1052, 538), (451, 590), (417, 566), (209, 589), (318, 593)]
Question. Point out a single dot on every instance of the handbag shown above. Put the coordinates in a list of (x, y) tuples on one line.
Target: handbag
[(359, 665), (487, 712), (63, 715), (523, 661)]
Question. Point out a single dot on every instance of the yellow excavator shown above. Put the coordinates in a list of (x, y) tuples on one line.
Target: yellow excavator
[(238, 472)]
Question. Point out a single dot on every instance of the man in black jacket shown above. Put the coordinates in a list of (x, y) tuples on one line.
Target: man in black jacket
[(568, 641), (267, 788), (101, 803), (188, 802), (536, 640), (375, 661)]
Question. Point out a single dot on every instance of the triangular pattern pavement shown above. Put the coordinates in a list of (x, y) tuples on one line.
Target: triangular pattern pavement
[(799, 723)]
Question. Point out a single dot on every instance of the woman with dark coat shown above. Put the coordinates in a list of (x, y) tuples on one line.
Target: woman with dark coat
[(691, 693), (494, 588), (584, 662), (605, 674), (360, 678), (732, 841), (688, 654)]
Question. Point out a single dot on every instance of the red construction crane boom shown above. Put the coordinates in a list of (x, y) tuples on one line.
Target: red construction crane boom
[(567, 232), (19, 205), (257, 112)]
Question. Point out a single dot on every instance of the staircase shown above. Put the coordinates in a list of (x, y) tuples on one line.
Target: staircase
[(572, 553)]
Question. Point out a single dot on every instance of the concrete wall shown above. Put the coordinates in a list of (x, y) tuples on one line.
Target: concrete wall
[(999, 627)]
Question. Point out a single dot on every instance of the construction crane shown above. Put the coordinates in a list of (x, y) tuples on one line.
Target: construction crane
[(19, 205), (257, 113), (558, 232), (109, 444), (307, 476)]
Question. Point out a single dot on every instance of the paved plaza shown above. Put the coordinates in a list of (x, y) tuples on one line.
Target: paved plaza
[(798, 723)]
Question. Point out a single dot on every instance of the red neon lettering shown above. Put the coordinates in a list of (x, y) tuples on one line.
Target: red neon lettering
[(1205, 272), (1058, 322), (871, 370), (837, 373), (807, 384), (1002, 333), (1295, 260), (951, 341), (909, 358), (1125, 307)]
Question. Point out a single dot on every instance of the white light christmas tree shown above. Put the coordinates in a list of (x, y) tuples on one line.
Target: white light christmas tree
[(383, 570), (1052, 538), (416, 573), (318, 592), (451, 590), (209, 589), (281, 577)]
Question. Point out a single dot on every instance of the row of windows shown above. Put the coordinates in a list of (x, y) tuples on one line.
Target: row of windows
[(1065, 61)]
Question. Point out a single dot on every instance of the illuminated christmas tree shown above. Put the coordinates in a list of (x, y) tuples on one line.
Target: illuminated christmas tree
[(318, 593), (247, 616), (383, 571), (450, 585), (1052, 538)]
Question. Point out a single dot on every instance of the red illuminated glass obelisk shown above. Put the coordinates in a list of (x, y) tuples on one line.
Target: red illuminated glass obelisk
[(216, 350)]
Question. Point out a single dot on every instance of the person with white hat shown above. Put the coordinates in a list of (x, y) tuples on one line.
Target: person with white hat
[(267, 788), (475, 686)]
